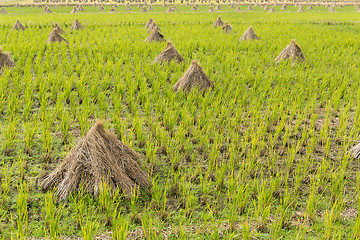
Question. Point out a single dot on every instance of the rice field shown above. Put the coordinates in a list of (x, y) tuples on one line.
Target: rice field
[(262, 155)]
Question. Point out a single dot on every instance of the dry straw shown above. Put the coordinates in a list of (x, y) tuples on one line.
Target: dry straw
[(5, 60), (56, 37), (292, 51), (238, 9), (249, 34), (3, 11), (97, 159), (194, 77), (168, 54), (18, 26), (148, 24), (355, 151), (218, 22), (227, 28), (75, 10), (77, 25), (58, 28), (152, 27), (170, 10), (155, 36)]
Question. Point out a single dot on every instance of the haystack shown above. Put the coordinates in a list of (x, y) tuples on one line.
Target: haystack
[(272, 9), (227, 28), (232, 5), (170, 10), (310, 7), (284, 7), (194, 8), (101, 8), (332, 9), (148, 24), (194, 77), (249, 34), (292, 51), (238, 9), (217, 8), (155, 36), (174, 8), (58, 28), (77, 25), (249, 8), (99, 158), (211, 9), (266, 8), (301, 9), (80, 8), (18, 26), (218, 22), (355, 151), (112, 10), (164, 5), (5, 60), (3, 11), (75, 10), (47, 10), (56, 37), (128, 8), (143, 9), (152, 26), (168, 54)]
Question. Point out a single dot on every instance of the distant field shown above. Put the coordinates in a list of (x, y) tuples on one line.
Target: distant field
[(263, 155)]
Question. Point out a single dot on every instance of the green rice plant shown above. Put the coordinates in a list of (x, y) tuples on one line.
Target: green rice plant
[(151, 151), (79, 203), (246, 233), (120, 226), (29, 135), (28, 101), (21, 220), (106, 202), (148, 225), (83, 118), (51, 216), (89, 229), (329, 221), (312, 200), (6, 172), (65, 124), (9, 133), (134, 207)]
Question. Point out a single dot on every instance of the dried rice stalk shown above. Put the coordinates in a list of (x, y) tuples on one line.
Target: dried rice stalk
[(194, 77), (169, 53), (155, 36), (97, 159), (218, 22), (249, 34), (355, 151), (292, 51)]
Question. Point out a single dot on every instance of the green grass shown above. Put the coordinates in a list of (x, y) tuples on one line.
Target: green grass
[(264, 155)]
